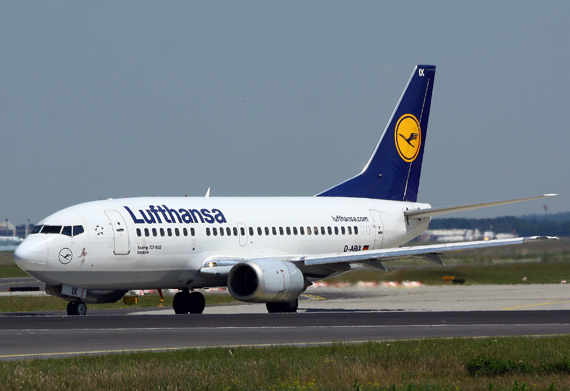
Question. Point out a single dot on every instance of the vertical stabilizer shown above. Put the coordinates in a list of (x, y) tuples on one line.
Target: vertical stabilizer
[(393, 171)]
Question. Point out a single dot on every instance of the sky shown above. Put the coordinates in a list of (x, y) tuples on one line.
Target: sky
[(122, 99)]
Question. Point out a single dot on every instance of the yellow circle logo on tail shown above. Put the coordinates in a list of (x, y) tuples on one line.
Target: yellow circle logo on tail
[(408, 137)]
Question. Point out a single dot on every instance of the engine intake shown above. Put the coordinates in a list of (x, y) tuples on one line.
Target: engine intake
[(265, 280)]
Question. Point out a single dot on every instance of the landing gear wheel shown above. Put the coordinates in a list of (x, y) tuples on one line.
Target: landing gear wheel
[(196, 303), (186, 302), (180, 303), (76, 308), (290, 306)]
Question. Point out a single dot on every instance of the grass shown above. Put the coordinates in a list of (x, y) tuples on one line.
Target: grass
[(510, 273), (51, 303), (434, 364), (8, 267)]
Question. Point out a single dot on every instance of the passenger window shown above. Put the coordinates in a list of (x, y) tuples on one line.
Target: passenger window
[(185, 231), (228, 231), (295, 230), (316, 230), (139, 232), (177, 231), (302, 230), (192, 232), (207, 231), (288, 230), (251, 231), (169, 231), (66, 230), (162, 232), (281, 231), (235, 231), (221, 232), (154, 232), (329, 229), (274, 230), (356, 230), (215, 231), (349, 230), (78, 230), (342, 230), (323, 231), (266, 231), (146, 233), (309, 230), (259, 232), (242, 231), (336, 230)]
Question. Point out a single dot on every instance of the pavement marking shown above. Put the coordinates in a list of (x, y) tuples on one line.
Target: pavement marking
[(313, 297), (535, 305)]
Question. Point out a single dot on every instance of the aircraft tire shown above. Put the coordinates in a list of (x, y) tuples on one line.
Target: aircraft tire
[(76, 308), (273, 308), (196, 303), (180, 303), (290, 306)]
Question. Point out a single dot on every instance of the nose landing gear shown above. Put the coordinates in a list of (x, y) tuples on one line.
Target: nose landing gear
[(76, 308)]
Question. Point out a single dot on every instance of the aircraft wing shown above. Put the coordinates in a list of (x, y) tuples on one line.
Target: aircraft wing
[(427, 251), (221, 266)]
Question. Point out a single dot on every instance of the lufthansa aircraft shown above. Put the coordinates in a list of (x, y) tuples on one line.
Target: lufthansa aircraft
[(266, 250)]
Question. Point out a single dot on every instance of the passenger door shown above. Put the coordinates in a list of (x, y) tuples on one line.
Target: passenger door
[(120, 232)]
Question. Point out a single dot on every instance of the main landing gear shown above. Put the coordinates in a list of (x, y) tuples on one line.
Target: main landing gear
[(290, 306), (188, 302), (76, 308)]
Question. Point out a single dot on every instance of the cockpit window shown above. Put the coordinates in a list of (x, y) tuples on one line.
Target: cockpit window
[(51, 229), (67, 230)]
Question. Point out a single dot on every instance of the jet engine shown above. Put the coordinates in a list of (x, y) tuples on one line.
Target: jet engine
[(265, 280)]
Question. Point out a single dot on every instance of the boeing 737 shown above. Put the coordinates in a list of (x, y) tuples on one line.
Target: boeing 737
[(266, 250)]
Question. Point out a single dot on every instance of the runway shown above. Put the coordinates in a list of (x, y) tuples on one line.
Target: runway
[(24, 337), (335, 315)]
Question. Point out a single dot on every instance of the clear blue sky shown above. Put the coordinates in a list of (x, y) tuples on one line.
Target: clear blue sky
[(122, 99)]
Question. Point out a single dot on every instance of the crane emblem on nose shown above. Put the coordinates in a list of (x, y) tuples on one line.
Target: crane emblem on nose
[(65, 256)]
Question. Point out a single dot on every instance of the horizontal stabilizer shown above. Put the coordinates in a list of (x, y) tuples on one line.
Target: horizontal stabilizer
[(421, 213)]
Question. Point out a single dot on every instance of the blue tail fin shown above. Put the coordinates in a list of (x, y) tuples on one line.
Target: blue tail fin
[(393, 171)]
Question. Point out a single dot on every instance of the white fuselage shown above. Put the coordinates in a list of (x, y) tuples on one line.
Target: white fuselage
[(162, 242)]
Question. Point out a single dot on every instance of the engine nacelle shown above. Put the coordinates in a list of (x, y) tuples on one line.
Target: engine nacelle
[(265, 280)]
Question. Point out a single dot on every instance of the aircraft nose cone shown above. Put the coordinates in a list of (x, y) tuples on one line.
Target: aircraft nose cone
[(32, 254)]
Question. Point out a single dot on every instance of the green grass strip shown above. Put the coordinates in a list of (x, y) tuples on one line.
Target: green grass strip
[(430, 364)]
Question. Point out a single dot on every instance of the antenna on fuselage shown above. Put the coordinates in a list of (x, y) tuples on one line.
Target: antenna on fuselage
[(208, 193)]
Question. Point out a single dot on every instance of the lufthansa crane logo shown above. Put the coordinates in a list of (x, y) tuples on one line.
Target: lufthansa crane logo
[(65, 255), (408, 137)]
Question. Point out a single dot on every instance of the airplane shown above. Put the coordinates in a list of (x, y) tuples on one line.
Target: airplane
[(263, 249)]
